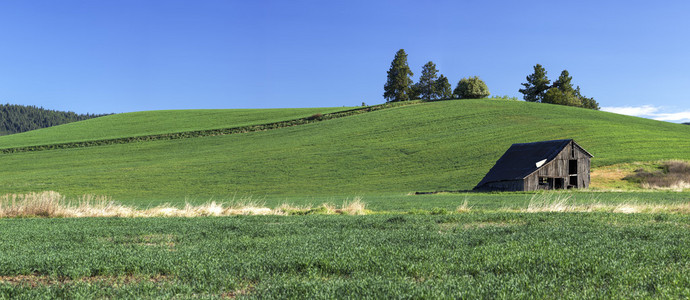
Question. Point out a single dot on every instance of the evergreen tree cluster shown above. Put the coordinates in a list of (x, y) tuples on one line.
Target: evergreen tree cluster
[(431, 86), (19, 118), (434, 86), (538, 88)]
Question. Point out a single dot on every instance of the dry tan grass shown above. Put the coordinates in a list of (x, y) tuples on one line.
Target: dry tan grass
[(549, 202), (559, 202), (354, 207), (603, 178), (349, 207), (464, 207), (676, 186), (52, 204), (41, 204), (671, 175)]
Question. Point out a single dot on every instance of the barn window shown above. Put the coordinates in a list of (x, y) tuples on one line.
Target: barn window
[(544, 181)]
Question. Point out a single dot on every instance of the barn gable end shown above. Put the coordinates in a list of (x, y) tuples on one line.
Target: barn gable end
[(558, 164)]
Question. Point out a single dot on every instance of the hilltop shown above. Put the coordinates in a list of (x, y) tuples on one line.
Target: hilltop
[(446, 145)]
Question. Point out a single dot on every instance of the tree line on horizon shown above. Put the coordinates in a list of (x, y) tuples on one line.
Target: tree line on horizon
[(20, 118), (538, 88), (431, 86), (399, 86)]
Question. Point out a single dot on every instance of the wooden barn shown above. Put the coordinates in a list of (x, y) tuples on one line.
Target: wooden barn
[(548, 165)]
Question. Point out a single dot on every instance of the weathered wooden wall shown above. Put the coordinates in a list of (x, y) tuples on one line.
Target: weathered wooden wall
[(558, 168)]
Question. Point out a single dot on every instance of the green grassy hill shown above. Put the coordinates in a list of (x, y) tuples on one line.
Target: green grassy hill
[(446, 145), (156, 122)]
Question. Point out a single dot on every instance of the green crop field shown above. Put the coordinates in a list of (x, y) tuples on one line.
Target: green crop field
[(446, 145), (566, 244), (156, 122), (486, 255)]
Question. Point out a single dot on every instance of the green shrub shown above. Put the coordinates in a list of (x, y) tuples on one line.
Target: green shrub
[(471, 88)]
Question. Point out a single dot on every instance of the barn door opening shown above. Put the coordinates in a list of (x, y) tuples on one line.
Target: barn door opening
[(572, 173), (559, 183), (572, 167)]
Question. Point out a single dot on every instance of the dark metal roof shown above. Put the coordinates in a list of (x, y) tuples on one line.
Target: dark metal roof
[(521, 160)]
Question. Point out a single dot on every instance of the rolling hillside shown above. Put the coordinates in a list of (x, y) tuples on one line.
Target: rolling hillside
[(156, 122), (445, 145)]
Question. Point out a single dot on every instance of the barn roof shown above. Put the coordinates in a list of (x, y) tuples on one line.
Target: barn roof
[(520, 160)]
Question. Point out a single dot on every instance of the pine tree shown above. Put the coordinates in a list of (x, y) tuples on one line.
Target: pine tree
[(398, 84), (536, 85), (443, 88), (564, 84), (427, 82)]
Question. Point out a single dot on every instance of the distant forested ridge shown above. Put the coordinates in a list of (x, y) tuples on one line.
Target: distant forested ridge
[(19, 118)]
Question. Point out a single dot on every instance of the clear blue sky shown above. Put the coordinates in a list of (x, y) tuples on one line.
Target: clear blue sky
[(121, 56)]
